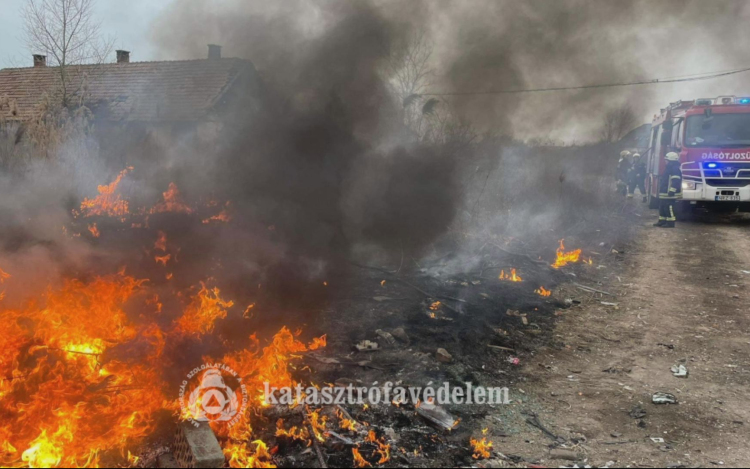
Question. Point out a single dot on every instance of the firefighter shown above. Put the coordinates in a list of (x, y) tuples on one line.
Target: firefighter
[(623, 167), (670, 190), (637, 177)]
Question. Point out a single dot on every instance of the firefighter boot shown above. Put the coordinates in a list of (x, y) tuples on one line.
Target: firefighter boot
[(669, 224), (660, 224)]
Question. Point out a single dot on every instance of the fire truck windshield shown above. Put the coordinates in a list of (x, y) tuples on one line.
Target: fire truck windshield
[(718, 130)]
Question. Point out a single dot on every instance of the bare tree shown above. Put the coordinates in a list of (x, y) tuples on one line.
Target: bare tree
[(68, 34), (410, 73), (617, 123)]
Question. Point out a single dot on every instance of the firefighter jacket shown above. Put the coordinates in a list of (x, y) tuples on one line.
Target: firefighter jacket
[(670, 183), (623, 168), (637, 172)]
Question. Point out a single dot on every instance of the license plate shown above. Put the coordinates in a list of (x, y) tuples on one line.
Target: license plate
[(728, 198)]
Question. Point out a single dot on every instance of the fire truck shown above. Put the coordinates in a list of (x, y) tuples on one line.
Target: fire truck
[(712, 137)]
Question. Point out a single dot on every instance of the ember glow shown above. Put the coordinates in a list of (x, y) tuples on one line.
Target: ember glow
[(513, 277), (564, 258)]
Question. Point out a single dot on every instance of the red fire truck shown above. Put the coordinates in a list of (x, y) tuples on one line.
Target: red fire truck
[(712, 137)]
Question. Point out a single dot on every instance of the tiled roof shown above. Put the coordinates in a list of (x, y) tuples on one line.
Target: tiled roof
[(140, 91)]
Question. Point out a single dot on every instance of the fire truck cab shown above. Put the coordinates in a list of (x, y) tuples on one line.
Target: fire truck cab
[(712, 137)]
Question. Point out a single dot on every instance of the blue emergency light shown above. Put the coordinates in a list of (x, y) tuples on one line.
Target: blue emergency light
[(712, 165), (744, 100)]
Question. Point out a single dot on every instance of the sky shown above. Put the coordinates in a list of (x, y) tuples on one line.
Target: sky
[(126, 21)]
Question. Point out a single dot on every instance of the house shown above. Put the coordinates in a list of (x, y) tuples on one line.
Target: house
[(181, 92)]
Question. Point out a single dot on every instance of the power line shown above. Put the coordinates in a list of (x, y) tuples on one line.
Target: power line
[(658, 81)]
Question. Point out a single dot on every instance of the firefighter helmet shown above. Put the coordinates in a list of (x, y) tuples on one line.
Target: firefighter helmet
[(624, 154), (636, 155), (672, 156)]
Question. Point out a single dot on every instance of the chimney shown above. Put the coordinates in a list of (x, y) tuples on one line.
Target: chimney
[(214, 51), (40, 60), (123, 56)]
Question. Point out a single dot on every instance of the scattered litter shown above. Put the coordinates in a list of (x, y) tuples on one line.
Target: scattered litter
[(401, 335), (386, 336), (668, 346), (497, 347), (564, 454), (443, 356), (610, 304), (680, 371), (514, 361), (616, 435), (638, 413), (437, 416), (663, 398), (658, 441), (367, 346), (746, 272)]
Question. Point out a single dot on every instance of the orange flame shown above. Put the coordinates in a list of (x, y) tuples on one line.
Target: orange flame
[(543, 292), (482, 448), (359, 461), (163, 259), (172, 202), (107, 203), (204, 311), (565, 258), (513, 277), (94, 230), (161, 242)]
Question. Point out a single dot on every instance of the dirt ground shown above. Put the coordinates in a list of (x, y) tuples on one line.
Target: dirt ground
[(681, 298)]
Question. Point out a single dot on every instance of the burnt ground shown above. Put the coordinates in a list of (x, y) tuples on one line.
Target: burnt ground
[(587, 372), (491, 328)]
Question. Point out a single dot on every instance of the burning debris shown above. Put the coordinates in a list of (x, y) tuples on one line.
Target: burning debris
[(564, 258), (482, 448), (541, 291), (513, 277)]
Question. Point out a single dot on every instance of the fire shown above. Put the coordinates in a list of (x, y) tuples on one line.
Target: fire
[(543, 292), (107, 203), (65, 402), (345, 423), (83, 365), (513, 277), (163, 260), (223, 216), (204, 311), (565, 258), (359, 461), (242, 456), (172, 202), (94, 230), (384, 450), (482, 448), (161, 242), (435, 306)]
